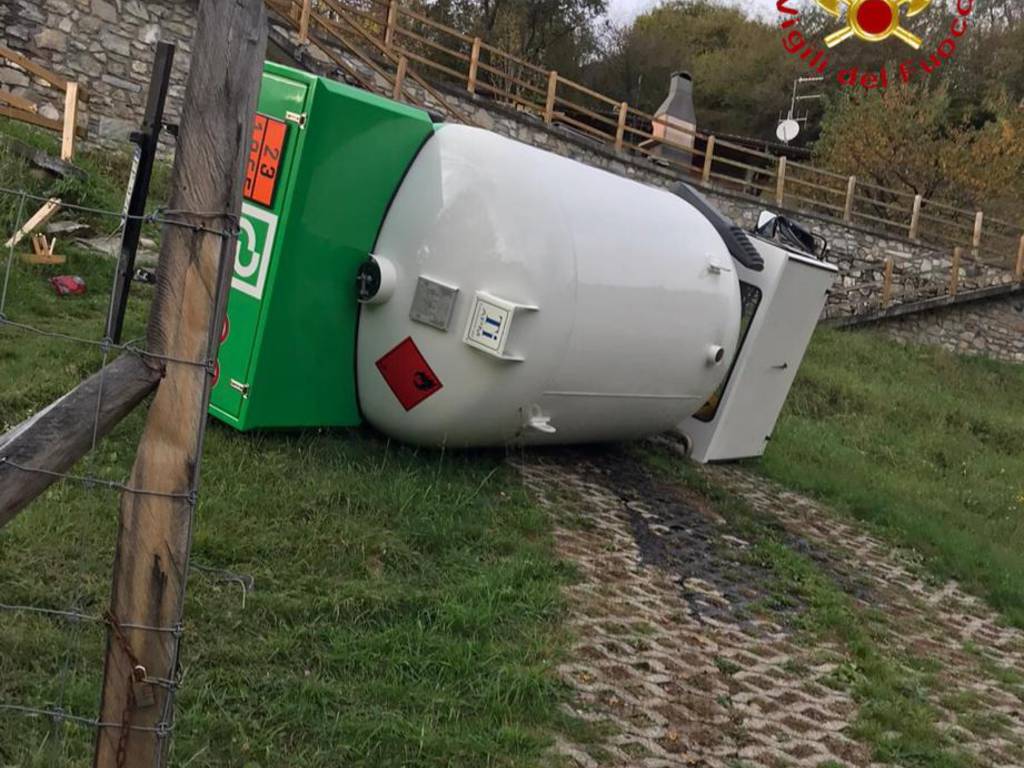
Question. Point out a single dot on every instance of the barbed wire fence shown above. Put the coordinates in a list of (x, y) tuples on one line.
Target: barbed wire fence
[(140, 615), (71, 610)]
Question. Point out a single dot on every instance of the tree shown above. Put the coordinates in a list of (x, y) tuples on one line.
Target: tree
[(911, 138), (742, 77), (899, 138), (559, 34)]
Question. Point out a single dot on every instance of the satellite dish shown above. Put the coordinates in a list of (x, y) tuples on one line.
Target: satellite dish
[(788, 130)]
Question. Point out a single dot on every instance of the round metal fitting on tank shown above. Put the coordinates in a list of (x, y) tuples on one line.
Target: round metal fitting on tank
[(376, 280), (539, 300)]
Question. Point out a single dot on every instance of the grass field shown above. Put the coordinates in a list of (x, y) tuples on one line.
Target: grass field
[(406, 608), (925, 445)]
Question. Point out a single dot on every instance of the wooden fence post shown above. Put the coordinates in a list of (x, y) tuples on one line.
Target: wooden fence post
[(194, 273), (851, 190), (979, 220), (549, 105), (709, 158), (304, 21), (620, 128), (1019, 271), (67, 144), (915, 217), (403, 65), (780, 186), (474, 63), (954, 273), (887, 283), (392, 21)]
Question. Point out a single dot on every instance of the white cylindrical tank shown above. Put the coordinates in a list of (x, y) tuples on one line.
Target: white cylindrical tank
[(537, 299)]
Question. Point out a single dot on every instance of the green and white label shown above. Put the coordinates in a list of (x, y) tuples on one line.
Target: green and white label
[(256, 231)]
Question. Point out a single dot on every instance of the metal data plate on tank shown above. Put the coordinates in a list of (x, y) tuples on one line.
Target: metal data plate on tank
[(433, 303), (258, 235), (408, 374)]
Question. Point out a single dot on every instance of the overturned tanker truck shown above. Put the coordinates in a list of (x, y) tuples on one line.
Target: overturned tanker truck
[(453, 287)]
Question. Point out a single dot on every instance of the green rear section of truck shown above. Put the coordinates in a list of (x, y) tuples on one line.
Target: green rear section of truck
[(287, 358)]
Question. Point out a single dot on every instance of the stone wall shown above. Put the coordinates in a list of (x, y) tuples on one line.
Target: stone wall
[(107, 46), (991, 328)]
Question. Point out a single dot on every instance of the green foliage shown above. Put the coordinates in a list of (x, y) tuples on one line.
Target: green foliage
[(899, 138), (921, 443), (104, 185), (956, 135), (559, 34), (909, 139)]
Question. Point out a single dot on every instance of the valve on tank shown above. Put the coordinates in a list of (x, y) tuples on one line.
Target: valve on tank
[(375, 280)]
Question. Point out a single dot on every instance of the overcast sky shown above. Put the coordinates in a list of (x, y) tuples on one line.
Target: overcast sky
[(624, 11)]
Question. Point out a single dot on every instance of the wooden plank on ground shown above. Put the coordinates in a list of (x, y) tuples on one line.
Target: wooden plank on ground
[(35, 221)]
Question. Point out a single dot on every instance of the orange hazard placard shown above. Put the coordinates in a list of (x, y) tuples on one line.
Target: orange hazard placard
[(265, 148)]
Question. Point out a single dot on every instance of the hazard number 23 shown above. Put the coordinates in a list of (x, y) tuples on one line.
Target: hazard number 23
[(265, 147)]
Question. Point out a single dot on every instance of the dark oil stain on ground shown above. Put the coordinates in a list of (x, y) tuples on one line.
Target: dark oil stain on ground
[(675, 535)]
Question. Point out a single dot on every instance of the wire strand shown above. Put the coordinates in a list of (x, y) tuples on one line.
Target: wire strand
[(226, 226), (76, 616), (161, 728), (156, 217), (87, 480), (129, 347)]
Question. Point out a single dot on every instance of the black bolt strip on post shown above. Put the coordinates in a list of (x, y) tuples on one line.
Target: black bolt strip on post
[(146, 141)]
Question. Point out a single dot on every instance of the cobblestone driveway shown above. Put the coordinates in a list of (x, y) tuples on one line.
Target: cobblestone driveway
[(676, 653)]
